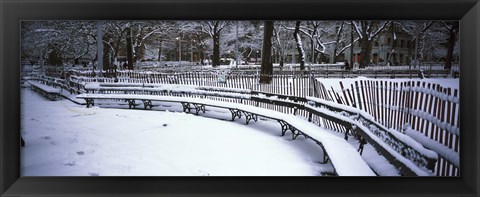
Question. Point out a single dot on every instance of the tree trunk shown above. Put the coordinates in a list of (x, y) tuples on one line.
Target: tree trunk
[(351, 44), (106, 56), (298, 40), (160, 52), (282, 57), (216, 50), (129, 49), (139, 53), (335, 55), (392, 49), (365, 52), (202, 57), (450, 46), (267, 66), (55, 58), (117, 46)]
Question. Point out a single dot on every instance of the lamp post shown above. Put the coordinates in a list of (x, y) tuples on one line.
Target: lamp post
[(100, 46), (236, 47), (256, 57), (179, 51), (191, 50)]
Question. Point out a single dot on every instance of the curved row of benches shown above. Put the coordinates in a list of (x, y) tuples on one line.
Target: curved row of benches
[(343, 156), (408, 156)]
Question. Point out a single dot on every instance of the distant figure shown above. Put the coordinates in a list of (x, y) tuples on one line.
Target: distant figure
[(420, 74), (362, 141), (346, 65)]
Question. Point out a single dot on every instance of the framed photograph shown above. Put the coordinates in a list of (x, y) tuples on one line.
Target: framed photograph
[(307, 98)]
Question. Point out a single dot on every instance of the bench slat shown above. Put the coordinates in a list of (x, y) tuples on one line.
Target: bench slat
[(44, 87)]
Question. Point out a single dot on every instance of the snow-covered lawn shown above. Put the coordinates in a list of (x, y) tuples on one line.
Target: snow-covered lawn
[(65, 139)]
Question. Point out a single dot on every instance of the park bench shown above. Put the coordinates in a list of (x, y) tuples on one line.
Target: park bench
[(166, 89), (403, 152), (343, 156), (45, 90), (406, 155)]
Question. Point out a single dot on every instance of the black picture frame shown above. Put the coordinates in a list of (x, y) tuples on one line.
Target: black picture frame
[(12, 12)]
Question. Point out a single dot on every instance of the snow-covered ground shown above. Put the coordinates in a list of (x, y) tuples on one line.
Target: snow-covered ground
[(65, 139)]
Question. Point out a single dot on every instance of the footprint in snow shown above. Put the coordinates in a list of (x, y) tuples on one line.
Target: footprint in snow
[(80, 153), (70, 163), (73, 141), (45, 138), (94, 174)]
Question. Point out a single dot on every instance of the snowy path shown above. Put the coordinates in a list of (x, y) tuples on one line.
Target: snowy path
[(64, 139)]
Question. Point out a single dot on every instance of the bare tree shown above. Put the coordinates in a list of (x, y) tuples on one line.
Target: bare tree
[(453, 28), (367, 31), (282, 41), (298, 40), (70, 39), (418, 31), (214, 29), (267, 66)]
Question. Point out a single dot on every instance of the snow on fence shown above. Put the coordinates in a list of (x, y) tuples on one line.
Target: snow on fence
[(427, 108), (405, 153)]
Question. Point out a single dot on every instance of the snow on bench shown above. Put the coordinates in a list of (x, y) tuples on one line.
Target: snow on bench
[(167, 88), (44, 87), (45, 90), (397, 146), (344, 157), (342, 154), (404, 153)]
